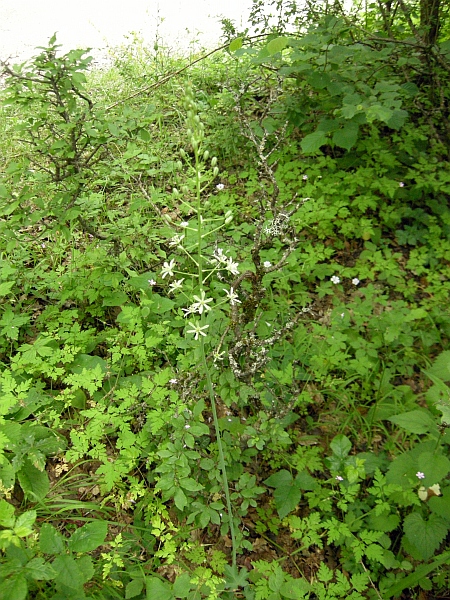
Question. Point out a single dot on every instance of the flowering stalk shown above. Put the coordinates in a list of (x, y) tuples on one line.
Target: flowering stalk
[(196, 136)]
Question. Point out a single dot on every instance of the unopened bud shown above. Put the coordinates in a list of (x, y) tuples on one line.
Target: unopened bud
[(183, 153), (205, 155), (214, 161), (175, 192), (215, 171), (179, 165), (228, 219)]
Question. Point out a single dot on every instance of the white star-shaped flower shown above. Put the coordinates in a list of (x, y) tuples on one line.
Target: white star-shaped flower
[(167, 268), (201, 303), (197, 329), (232, 297)]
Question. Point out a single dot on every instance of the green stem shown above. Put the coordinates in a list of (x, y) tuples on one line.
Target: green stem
[(220, 448), (205, 363)]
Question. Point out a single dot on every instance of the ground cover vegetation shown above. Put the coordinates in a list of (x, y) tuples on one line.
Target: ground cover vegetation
[(224, 314)]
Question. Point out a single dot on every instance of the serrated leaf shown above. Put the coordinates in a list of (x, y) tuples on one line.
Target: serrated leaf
[(40, 570), (440, 505), (341, 446), (434, 466), (441, 366), (236, 44), (415, 421), (89, 537), (235, 579), (347, 136), (190, 484), (50, 540), (115, 299), (313, 141), (7, 518), (134, 588), (277, 45), (425, 536), (14, 588), (296, 589), (24, 523), (68, 571), (182, 585), (158, 590), (287, 492), (33, 482)]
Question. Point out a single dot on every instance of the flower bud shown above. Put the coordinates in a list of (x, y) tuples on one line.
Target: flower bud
[(228, 219), (179, 165), (215, 171), (205, 155), (214, 161), (183, 153), (175, 192)]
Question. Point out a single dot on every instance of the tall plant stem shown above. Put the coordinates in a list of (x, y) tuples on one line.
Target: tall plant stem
[(209, 383)]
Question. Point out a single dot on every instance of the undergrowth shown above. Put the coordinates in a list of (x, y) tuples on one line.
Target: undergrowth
[(224, 362)]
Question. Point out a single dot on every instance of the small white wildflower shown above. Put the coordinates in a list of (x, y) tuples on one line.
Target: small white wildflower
[(420, 475), (232, 296), (267, 264), (219, 256), (188, 311), (151, 282), (176, 240), (176, 285), (335, 279), (197, 329), (184, 224), (342, 315), (355, 281), (232, 267), (218, 355), (401, 184), (187, 426), (201, 303), (167, 268), (173, 381), (305, 177), (339, 478), (43, 245), (220, 187)]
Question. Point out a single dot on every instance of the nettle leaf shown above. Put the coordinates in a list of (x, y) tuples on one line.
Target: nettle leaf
[(7, 518), (89, 537), (24, 523), (425, 536), (40, 570), (313, 141), (415, 421), (14, 588), (69, 573)]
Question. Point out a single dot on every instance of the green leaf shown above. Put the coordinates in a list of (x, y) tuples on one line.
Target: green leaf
[(410, 581), (88, 362), (24, 523), (440, 505), (182, 585), (341, 446), (235, 579), (236, 44), (425, 536), (14, 588), (158, 590), (347, 136), (434, 466), (50, 540), (89, 537), (134, 588), (277, 45), (313, 141), (397, 120), (295, 589), (190, 484), (287, 492), (441, 366), (68, 571), (40, 570), (7, 518), (180, 499), (115, 299), (415, 421), (33, 482)]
